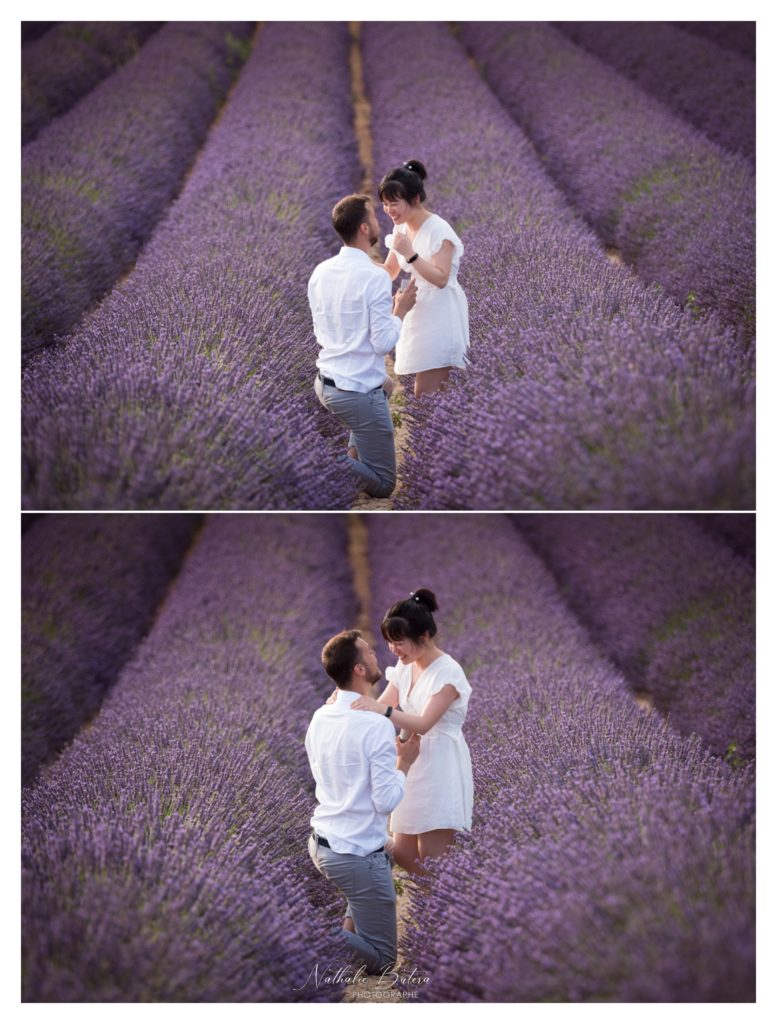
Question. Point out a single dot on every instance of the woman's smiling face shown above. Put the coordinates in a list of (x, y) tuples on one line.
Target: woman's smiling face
[(397, 209), (406, 650)]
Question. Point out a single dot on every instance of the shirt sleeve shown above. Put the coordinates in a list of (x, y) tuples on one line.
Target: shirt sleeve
[(387, 782), (384, 326)]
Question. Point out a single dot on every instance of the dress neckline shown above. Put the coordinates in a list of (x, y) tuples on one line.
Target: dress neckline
[(414, 684), (420, 229)]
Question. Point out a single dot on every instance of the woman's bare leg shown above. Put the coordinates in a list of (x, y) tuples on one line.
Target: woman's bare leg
[(435, 843), (428, 381), (405, 852)]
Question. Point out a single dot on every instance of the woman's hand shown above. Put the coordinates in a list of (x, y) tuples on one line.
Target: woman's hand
[(403, 245), (368, 704), (332, 697)]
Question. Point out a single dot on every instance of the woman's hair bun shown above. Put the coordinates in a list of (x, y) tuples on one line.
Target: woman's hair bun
[(419, 169), (426, 598)]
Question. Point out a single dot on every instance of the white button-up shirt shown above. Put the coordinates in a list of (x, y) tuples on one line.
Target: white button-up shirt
[(353, 757), (350, 299)]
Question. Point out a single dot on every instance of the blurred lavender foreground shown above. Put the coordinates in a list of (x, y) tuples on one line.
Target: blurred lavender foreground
[(191, 386), (673, 607), (588, 388), (98, 179), (610, 859), (680, 209), (91, 586), (69, 61), (164, 851), (738, 36)]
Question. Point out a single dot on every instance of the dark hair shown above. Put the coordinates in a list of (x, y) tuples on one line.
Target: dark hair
[(340, 655), (405, 182), (411, 618), (348, 214)]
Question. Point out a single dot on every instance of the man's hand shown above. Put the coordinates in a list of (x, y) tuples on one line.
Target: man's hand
[(404, 299), (407, 752)]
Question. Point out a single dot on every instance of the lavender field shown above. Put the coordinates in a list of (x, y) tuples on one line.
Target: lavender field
[(607, 216), (612, 850)]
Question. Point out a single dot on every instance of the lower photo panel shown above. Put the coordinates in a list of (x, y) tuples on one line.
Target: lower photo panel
[(388, 757)]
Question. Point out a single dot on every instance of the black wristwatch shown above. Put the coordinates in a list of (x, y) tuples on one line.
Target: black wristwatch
[(389, 710), (413, 258)]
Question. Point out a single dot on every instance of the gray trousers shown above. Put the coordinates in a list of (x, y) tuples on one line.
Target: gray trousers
[(368, 887), (372, 434)]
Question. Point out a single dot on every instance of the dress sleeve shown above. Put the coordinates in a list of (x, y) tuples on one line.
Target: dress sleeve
[(389, 240), (394, 675), (451, 673), (441, 232)]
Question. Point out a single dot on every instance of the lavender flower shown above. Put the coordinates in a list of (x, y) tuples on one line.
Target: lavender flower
[(610, 859), (90, 588), (681, 211), (710, 86), (674, 608), (587, 388), (61, 67), (164, 851), (98, 179), (191, 386)]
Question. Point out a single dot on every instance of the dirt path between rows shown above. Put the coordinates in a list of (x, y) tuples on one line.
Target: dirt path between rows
[(362, 127), (371, 988)]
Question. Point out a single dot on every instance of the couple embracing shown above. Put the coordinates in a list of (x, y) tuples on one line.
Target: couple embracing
[(357, 323), (365, 772)]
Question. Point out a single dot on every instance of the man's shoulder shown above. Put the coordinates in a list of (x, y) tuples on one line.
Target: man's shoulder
[(323, 266)]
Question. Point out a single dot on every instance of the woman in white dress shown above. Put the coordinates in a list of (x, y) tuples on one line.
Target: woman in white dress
[(428, 694), (435, 333)]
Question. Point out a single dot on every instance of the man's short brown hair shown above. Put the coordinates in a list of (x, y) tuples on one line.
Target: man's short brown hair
[(340, 655), (348, 214)]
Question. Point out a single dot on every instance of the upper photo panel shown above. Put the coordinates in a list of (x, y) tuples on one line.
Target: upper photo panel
[(409, 265)]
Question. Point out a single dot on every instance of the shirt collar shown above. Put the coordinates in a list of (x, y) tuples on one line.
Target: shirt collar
[(347, 696), (350, 251)]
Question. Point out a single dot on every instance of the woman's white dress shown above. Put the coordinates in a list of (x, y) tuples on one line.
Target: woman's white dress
[(435, 332), (438, 791)]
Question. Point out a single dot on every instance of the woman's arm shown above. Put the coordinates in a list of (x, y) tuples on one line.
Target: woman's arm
[(391, 264), (435, 708), (437, 270), (389, 696)]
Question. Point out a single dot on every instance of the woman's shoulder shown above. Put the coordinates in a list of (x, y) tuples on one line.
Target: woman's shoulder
[(442, 230), (449, 666)]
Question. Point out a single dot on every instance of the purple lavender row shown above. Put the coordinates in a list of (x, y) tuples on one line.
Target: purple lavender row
[(737, 529), (98, 179), (709, 86), (587, 388), (61, 67), (738, 36), (191, 385), (164, 852), (680, 209), (672, 605), (610, 859), (90, 589), (32, 30)]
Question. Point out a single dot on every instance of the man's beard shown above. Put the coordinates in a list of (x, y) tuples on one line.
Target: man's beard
[(376, 678), (374, 241)]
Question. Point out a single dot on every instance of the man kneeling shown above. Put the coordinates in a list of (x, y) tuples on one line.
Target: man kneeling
[(360, 769)]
